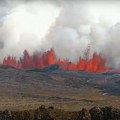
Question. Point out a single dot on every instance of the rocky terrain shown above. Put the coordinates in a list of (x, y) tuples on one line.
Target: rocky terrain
[(68, 90)]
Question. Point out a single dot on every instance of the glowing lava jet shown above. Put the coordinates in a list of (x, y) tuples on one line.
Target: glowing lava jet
[(38, 60)]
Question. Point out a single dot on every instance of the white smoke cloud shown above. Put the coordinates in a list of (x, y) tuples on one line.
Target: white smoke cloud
[(88, 23), (25, 26), (69, 27)]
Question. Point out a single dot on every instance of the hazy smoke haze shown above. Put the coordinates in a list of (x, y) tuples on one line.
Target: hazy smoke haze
[(67, 26)]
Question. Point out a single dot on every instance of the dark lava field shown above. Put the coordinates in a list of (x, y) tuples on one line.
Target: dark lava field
[(68, 90)]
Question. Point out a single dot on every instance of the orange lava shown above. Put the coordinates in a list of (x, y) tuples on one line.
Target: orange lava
[(37, 60)]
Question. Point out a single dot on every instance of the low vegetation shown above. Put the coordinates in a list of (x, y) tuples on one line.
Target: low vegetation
[(42, 113)]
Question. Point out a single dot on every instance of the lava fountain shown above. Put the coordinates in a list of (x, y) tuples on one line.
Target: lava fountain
[(40, 61)]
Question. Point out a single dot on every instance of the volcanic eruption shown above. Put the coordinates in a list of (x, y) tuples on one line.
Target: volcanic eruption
[(38, 60), (27, 27)]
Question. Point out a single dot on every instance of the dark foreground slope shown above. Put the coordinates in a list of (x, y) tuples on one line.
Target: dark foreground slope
[(68, 90), (42, 113)]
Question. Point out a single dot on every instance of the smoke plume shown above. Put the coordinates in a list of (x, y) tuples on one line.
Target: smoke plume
[(68, 27)]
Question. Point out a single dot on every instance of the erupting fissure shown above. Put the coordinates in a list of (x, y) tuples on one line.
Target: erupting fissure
[(38, 60)]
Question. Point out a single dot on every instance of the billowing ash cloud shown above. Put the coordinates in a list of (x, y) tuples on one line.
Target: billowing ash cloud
[(67, 26), (25, 25)]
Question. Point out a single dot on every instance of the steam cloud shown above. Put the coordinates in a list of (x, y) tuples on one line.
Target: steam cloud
[(69, 27)]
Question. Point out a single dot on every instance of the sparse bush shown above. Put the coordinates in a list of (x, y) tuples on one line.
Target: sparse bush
[(17, 116), (51, 107), (42, 114), (96, 113), (6, 115), (26, 115), (111, 113), (84, 115)]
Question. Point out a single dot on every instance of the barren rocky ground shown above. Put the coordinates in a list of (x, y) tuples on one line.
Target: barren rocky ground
[(68, 90)]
